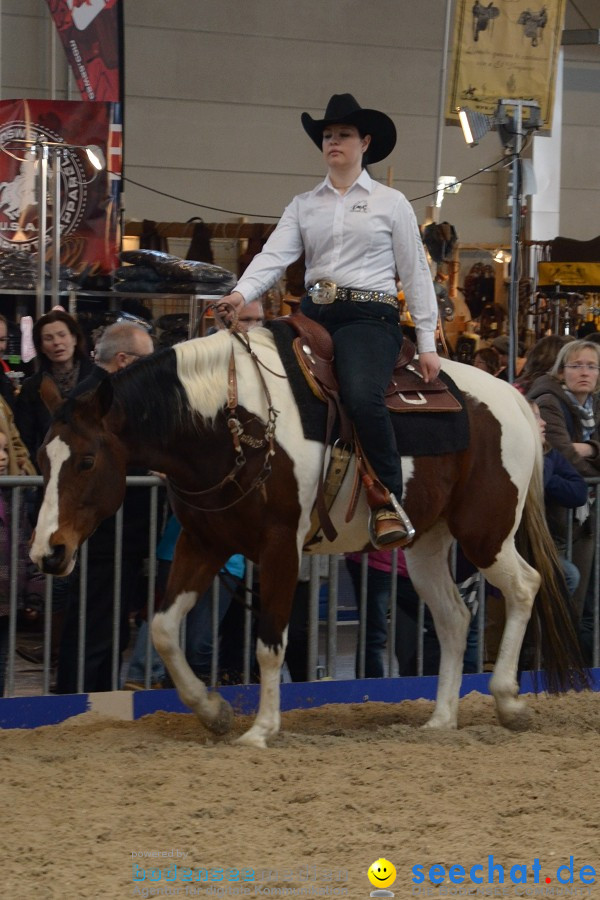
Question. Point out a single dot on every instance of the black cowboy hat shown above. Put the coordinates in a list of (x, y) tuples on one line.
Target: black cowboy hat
[(344, 109)]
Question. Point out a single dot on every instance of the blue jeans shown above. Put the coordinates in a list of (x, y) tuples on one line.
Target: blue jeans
[(136, 670), (367, 339), (571, 574), (199, 631), (378, 602)]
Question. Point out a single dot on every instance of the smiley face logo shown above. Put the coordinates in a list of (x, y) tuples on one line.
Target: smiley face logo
[(381, 873)]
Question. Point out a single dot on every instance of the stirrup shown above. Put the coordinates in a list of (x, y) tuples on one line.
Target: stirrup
[(407, 524)]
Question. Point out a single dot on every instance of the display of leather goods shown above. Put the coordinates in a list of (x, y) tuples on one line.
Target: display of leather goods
[(176, 269), (136, 273), (134, 286), (480, 286), (173, 320), (18, 270), (173, 328), (440, 239), (195, 287), (173, 336)]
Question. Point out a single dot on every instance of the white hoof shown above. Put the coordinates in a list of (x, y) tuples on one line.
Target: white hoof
[(253, 738), (440, 722), (513, 713)]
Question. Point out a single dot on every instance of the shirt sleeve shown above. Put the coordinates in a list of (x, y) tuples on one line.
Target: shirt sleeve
[(284, 246), (413, 271)]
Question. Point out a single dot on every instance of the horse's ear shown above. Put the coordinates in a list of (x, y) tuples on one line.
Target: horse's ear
[(50, 394)]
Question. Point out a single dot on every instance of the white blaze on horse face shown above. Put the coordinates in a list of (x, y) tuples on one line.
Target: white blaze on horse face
[(57, 452)]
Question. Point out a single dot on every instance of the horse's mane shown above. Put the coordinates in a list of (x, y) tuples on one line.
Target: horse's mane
[(202, 366), (152, 398), (159, 394)]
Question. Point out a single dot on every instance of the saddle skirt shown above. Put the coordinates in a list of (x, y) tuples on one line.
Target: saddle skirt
[(407, 391)]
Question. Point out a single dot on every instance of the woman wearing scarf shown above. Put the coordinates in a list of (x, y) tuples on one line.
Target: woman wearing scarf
[(570, 405), (61, 353)]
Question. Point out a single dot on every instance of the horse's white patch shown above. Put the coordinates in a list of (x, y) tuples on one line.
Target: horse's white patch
[(165, 625), (268, 718), (57, 452)]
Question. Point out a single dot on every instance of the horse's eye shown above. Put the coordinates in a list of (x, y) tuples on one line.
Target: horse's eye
[(86, 463)]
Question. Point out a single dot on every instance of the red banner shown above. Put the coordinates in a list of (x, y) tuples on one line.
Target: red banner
[(89, 199), (91, 31)]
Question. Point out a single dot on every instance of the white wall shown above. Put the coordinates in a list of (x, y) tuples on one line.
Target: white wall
[(215, 89)]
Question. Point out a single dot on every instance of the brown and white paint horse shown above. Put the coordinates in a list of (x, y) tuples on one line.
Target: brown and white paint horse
[(168, 413)]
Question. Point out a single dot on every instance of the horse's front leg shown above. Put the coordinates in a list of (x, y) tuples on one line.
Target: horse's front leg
[(190, 576), (278, 579)]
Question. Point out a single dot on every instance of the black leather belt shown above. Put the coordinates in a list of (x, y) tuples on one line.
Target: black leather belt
[(324, 292)]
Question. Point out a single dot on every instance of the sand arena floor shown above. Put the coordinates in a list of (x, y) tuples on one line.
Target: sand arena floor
[(341, 787)]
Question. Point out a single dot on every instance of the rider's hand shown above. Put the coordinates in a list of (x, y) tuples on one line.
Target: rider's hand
[(233, 302), (430, 365)]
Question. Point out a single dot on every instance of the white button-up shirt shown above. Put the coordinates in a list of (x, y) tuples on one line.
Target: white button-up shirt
[(359, 239)]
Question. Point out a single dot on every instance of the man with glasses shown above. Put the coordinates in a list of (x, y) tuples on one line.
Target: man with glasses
[(121, 344)]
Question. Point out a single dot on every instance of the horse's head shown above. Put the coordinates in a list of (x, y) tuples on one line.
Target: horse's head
[(83, 464)]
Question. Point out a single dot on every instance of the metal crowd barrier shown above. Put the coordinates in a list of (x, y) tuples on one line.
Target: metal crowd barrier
[(324, 628)]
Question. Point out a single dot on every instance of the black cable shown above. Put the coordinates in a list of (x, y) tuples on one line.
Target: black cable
[(233, 212), (577, 10), (466, 178)]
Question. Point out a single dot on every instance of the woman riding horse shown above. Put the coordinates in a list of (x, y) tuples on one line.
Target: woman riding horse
[(357, 234)]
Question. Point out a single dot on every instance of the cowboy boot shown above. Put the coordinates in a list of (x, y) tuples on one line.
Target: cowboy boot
[(389, 526)]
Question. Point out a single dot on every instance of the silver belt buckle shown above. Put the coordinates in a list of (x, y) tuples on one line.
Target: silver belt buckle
[(323, 292)]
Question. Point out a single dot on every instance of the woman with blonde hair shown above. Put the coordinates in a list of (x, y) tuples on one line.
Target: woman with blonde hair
[(569, 404)]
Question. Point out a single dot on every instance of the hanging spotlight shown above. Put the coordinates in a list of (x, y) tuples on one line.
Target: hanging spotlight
[(474, 125), (96, 157)]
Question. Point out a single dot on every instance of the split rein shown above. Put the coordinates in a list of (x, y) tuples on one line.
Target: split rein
[(238, 434)]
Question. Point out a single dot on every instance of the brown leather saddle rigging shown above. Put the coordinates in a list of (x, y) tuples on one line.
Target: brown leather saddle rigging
[(407, 392)]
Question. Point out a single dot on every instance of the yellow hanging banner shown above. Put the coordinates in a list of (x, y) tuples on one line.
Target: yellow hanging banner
[(504, 50), (569, 274)]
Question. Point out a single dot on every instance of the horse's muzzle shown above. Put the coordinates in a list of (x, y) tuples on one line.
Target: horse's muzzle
[(55, 563)]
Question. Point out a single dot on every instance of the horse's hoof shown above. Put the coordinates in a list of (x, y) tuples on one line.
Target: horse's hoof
[(514, 714), (252, 738), (223, 720), (437, 723)]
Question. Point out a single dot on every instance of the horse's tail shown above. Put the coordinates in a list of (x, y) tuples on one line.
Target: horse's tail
[(555, 640)]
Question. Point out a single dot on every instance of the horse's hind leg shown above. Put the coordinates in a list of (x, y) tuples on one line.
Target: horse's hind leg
[(429, 570), (188, 577), (519, 584)]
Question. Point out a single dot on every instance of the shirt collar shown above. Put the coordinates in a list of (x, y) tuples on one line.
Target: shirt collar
[(364, 181)]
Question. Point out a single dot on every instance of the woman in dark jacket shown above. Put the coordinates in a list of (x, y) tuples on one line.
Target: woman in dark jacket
[(570, 406), (61, 353)]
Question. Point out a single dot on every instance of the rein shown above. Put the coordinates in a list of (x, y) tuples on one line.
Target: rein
[(239, 437)]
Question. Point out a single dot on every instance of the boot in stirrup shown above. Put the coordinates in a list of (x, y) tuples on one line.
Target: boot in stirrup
[(389, 526)]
